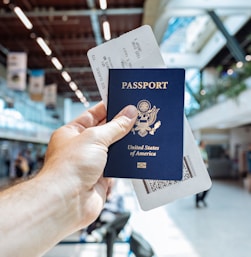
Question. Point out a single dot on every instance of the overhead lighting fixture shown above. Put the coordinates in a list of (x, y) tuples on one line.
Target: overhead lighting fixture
[(103, 4), (73, 86), (86, 104), (203, 92), (248, 58), (56, 63), (239, 65), (23, 17), (106, 30), (66, 76), (83, 99), (79, 94), (44, 46), (230, 72)]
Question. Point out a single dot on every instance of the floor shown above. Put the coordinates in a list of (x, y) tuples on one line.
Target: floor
[(179, 229)]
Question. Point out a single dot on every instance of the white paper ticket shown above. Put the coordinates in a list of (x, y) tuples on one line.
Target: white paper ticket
[(139, 49)]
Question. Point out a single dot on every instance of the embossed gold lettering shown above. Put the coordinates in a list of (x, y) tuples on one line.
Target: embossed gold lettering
[(144, 85)]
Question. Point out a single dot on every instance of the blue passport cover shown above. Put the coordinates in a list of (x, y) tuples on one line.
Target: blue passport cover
[(153, 149)]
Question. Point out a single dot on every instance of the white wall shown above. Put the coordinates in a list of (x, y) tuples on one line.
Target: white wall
[(227, 114)]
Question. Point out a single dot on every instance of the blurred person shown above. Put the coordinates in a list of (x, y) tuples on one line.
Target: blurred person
[(69, 192), (30, 161), (21, 166), (200, 197)]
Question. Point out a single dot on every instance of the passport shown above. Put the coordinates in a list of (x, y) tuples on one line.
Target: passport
[(153, 149)]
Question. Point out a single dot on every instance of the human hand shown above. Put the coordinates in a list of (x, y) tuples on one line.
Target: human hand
[(76, 157), (69, 192)]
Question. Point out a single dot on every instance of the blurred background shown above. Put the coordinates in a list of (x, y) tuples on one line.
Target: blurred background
[(46, 81)]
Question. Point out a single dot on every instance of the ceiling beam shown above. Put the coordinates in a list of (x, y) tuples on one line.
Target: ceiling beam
[(196, 12), (95, 22), (184, 8), (213, 46), (232, 44), (54, 13), (70, 69), (93, 13)]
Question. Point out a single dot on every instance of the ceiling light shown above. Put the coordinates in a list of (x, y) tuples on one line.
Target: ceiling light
[(56, 63), (230, 72), (203, 92), (73, 86), (83, 99), (66, 76), (64, 18), (44, 46), (248, 58), (86, 104), (103, 4), (239, 64), (79, 94), (106, 30), (23, 17)]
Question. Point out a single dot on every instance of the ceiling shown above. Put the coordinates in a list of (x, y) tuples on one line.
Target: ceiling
[(224, 57), (71, 28)]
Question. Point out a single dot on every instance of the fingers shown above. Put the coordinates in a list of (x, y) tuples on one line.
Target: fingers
[(119, 126)]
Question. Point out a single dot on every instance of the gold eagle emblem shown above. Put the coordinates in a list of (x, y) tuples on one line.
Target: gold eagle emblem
[(146, 121)]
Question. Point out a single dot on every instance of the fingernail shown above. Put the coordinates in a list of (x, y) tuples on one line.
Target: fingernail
[(130, 111)]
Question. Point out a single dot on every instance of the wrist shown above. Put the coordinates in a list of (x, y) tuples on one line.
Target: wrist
[(60, 204), (47, 215)]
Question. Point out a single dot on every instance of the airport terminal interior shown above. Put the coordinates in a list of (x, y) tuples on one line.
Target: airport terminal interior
[(46, 80)]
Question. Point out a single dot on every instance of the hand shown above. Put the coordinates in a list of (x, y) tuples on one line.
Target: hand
[(69, 192), (77, 154)]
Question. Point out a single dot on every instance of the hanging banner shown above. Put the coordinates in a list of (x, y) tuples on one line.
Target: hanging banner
[(16, 70), (50, 96), (36, 85)]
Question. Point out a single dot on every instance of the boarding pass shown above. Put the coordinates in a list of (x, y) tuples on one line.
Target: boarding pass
[(139, 49)]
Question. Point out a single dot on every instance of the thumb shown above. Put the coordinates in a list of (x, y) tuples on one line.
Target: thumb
[(119, 126)]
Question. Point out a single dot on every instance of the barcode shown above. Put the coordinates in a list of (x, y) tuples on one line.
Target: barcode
[(155, 185)]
